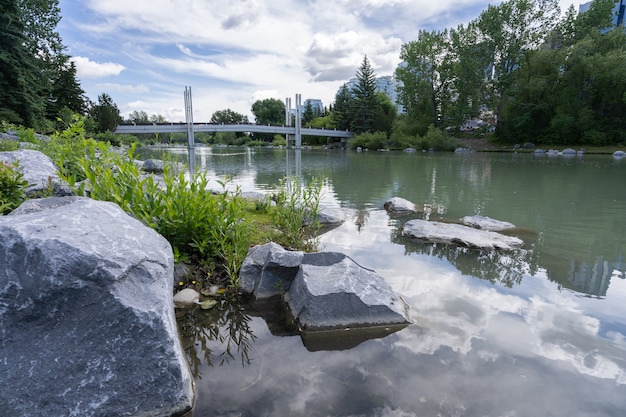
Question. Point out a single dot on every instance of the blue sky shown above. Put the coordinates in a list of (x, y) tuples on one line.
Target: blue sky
[(233, 52)]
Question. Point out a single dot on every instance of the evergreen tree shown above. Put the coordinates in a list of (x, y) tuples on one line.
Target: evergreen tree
[(105, 113), (65, 91), (20, 84), (308, 114), (365, 99), (36, 79), (342, 108)]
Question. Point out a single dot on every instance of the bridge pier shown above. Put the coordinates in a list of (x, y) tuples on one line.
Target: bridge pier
[(288, 119), (298, 121), (191, 142)]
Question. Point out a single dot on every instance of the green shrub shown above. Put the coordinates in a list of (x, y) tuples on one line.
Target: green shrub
[(374, 141), (279, 140), (439, 140), (12, 185)]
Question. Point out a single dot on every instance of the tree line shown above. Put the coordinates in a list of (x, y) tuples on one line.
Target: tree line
[(530, 72), (535, 74)]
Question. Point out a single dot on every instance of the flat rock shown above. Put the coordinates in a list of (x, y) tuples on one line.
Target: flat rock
[(460, 235), (331, 216), (486, 223), (87, 324)]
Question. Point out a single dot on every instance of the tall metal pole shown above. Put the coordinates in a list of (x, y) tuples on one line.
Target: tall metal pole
[(191, 143), (288, 118), (298, 121)]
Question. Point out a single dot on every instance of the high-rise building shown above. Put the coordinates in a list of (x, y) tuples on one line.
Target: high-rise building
[(618, 11)]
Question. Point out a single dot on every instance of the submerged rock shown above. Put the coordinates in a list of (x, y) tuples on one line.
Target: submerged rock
[(398, 205), (331, 216), (456, 234), (486, 223), (87, 326)]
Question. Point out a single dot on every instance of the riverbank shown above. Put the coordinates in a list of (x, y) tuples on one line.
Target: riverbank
[(484, 144)]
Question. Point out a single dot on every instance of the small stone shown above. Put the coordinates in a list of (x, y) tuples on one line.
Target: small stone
[(186, 297)]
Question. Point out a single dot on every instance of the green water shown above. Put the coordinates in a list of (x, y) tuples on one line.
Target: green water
[(536, 332)]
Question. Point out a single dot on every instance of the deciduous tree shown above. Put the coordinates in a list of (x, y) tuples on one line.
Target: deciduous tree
[(269, 111)]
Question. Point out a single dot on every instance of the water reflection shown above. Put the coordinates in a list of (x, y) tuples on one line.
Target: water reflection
[(216, 336)]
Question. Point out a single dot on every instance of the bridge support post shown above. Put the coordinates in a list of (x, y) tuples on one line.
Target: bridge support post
[(298, 121), (288, 137), (191, 143)]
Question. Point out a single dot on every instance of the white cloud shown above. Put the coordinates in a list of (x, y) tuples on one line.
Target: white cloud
[(86, 68), (229, 51), (123, 88)]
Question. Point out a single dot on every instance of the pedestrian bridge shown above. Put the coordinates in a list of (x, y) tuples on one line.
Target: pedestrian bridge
[(344, 135)]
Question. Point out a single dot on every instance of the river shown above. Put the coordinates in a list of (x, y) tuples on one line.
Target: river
[(536, 332)]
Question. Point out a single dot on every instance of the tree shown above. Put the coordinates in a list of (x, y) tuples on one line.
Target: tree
[(269, 111), (510, 31), (422, 78), (36, 78), (308, 114), (18, 102), (365, 99), (158, 118), (228, 116), (138, 117), (105, 114), (65, 93), (342, 108)]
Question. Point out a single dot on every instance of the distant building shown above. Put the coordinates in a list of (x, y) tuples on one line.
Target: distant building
[(618, 11), (316, 105)]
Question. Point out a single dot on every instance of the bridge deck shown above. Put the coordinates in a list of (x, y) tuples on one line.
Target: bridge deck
[(214, 127)]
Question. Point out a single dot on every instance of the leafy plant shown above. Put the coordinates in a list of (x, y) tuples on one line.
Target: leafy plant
[(295, 214), (12, 185), (8, 145)]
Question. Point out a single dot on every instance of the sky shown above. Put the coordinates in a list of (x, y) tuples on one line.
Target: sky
[(143, 53)]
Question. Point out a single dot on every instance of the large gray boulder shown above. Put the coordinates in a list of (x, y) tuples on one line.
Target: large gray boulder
[(460, 235), (323, 291), (87, 325), (331, 291), (40, 172)]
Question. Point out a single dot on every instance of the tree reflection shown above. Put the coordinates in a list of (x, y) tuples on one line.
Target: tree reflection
[(216, 336)]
